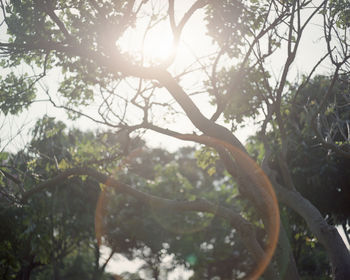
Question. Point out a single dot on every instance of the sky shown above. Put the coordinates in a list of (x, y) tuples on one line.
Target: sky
[(194, 43), (131, 42)]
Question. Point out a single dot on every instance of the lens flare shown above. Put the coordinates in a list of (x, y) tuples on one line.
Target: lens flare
[(249, 167), (103, 199), (259, 178)]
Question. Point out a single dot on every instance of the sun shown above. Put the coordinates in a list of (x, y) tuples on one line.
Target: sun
[(158, 46)]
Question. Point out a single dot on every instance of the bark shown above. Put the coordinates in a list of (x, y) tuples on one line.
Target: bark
[(284, 257), (24, 273), (26, 269), (328, 235)]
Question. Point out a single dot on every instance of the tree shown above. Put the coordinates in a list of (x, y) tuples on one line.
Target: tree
[(209, 246), (84, 40), (52, 235), (333, 126), (203, 243)]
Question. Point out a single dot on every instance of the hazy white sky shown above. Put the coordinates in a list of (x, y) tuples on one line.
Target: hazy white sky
[(194, 43)]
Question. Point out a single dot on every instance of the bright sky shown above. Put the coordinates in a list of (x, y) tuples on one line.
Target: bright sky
[(194, 44)]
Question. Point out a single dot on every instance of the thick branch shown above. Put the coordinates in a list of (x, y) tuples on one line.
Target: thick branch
[(245, 229), (326, 234), (157, 202)]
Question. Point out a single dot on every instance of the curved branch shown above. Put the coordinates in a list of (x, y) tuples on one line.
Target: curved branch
[(157, 202), (245, 229), (51, 13)]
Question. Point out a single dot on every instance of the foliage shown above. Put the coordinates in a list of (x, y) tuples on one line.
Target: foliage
[(213, 218), (53, 234)]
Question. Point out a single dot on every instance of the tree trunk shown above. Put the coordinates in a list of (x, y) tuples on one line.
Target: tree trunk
[(328, 235), (24, 273), (56, 272), (26, 269), (284, 257)]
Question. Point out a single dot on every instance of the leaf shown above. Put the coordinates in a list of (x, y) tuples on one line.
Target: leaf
[(211, 170), (63, 164)]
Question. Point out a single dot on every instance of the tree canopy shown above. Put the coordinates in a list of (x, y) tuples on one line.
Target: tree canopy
[(265, 209)]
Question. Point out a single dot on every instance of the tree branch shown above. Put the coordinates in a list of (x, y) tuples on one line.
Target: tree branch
[(245, 229)]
